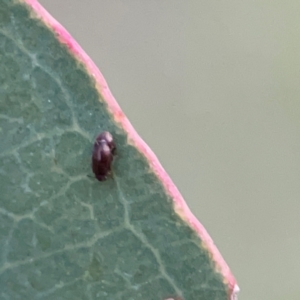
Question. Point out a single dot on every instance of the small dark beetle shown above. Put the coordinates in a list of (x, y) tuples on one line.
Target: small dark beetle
[(104, 148)]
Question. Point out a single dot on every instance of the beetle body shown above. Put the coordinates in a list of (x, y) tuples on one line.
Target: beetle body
[(103, 154)]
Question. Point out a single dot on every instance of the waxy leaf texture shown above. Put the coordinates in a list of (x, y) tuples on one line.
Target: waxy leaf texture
[(64, 234)]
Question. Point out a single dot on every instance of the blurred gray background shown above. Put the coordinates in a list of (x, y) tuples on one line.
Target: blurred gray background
[(213, 87)]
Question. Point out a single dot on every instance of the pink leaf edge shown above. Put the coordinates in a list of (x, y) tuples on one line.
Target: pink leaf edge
[(180, 206)]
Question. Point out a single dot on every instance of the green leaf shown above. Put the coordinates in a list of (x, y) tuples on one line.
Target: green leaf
[(64, 235)]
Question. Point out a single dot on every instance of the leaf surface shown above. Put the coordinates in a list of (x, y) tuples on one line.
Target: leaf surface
[(64, 235)]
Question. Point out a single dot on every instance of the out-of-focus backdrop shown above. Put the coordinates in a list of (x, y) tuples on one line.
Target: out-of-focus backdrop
[(214, 88)]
